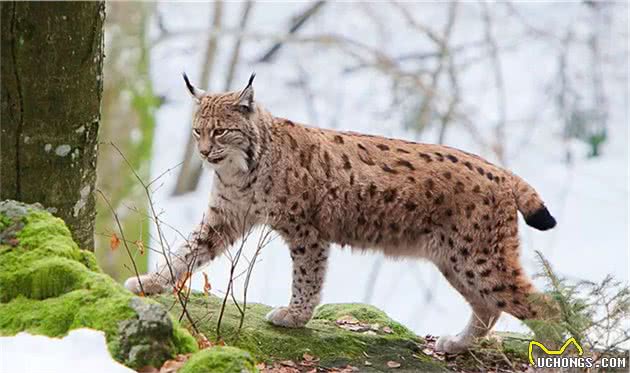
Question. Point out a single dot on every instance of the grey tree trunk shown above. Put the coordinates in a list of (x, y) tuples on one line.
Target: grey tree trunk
[(51, 72)]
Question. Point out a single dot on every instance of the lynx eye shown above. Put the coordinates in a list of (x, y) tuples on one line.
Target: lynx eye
[(219, 132), (196, 132)]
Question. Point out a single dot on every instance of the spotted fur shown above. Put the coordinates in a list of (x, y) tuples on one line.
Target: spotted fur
[(316, 187)]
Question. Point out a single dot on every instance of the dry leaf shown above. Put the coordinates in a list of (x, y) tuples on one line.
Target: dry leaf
[(203, 341), (288, 363), (260, 366), (309, 360), (393, 364), (430, 338), (181, 283), (358, 328), (172, 366), (206, 284), (114, 242), (140, 245), (387, 330), (347, 320)]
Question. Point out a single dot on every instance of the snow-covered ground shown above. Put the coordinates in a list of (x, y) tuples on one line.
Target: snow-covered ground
[(589, 199), (82, 350)]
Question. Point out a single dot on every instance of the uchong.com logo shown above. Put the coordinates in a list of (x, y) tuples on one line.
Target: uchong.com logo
[(555, 359)]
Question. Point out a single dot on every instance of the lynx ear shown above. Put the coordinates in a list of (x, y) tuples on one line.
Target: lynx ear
[(196, 93), (246, 98)]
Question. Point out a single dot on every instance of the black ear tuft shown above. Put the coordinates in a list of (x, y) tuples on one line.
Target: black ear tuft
[(246, 98), (190, 87), (251, 80), (196, 93)]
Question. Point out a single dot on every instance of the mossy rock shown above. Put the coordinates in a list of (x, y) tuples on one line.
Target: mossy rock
[(222, 359), (49, 286), (334, 346)]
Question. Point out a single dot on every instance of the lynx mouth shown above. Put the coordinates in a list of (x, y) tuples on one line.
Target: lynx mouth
[(216, 159)]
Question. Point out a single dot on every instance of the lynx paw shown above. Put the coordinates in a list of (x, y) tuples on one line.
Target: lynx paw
[(452, 344), (150, 285), (282, 317)]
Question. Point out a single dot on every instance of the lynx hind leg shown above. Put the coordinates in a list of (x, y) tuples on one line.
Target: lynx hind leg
[(492, 288), (523, 301), (309, 267), (480, 323)]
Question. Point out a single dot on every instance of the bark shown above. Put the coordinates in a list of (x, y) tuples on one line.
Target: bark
[(52, 61)]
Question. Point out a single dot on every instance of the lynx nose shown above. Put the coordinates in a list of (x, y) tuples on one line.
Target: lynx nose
[(205, 152)]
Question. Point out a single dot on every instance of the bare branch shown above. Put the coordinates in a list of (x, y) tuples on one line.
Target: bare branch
[(298, 22), (122, 235)]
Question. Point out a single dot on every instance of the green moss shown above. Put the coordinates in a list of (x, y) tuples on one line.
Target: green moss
[(220, 360), (34, 279), (48, 286), (89, 260), (183, 341), (4, 221), (322, 337), (46, 236), (515, 345), (365, 314)]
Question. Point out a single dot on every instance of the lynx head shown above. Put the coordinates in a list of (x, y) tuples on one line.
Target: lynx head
[(224, 126)]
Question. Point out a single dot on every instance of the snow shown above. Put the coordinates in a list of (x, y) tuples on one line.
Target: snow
[(589, 198), (82, 350)]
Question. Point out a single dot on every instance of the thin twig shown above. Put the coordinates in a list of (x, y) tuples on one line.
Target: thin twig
[(163, 244), (122, 235)]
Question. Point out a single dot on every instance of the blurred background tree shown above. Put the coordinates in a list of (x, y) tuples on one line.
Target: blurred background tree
[(129, 106)]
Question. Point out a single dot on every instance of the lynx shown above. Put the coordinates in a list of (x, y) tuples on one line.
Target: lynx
[(316, 187)]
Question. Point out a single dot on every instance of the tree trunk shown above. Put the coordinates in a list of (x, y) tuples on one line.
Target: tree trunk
[(52, 62)]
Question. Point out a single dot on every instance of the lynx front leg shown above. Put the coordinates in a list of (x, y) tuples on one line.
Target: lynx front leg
[(206, 242), (309, 268)]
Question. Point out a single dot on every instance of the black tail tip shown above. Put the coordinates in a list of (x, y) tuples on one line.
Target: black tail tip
[(541, 219)]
